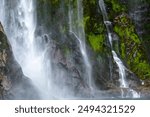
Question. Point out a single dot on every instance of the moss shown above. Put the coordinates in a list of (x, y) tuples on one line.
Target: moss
[(93, 21), (86, 20), (96, 42), (65, 50), (131, 47), (3, 41), (117, 7), (123, 50), (55, 2), (142, 69)]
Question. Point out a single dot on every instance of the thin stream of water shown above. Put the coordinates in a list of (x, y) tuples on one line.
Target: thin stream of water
[(118, 61), (78, 32)]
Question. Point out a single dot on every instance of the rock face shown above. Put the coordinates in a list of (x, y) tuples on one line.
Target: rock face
[(13, 84), (64, 52), (140, 13)]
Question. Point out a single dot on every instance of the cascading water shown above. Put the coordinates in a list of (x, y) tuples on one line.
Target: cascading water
[(122, 68), (20, 25), (76, 16), (19, 20), (2, 11)]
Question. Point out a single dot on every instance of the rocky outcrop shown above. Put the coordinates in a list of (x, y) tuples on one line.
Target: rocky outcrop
[(64, 51), (139, 11), (13, 84)]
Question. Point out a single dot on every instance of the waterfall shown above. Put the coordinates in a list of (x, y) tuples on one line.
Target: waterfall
[(118, 61), (20, 24), (2, 10), (77, 29), (53, 79)]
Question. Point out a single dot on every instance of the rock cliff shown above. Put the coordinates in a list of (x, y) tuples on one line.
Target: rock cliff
[(13, 84)]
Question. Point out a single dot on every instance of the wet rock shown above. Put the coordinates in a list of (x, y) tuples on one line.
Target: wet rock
[(144, 89), (139, 12), (13, 84), (64, 73)]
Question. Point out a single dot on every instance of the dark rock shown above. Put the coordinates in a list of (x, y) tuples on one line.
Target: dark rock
[(139, 12), (68, 63), (144, 89), (13, 84)]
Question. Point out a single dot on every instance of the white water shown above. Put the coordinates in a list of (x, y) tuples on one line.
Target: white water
[(122, 73), (20, 25), (76, 28), (121, 67), (2, 11)]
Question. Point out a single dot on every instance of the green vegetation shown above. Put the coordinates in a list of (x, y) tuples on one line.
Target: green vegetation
[(131, 47), (97, 42), (94, 27), (3, 41), (117, 7)]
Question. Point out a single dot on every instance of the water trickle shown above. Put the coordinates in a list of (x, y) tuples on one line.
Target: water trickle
[(78, 32), (122, 75), (19, 20), (118, 61), (20, 25)]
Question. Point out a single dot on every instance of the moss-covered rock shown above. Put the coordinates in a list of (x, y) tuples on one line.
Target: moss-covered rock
[(131, 48), (97, 42)]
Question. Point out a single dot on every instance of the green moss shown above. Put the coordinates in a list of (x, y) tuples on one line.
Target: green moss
[(142, 69), (131, 50), (116, 6), (65, 50), (93, 21), (3, 41), (86, 19), (123, 50), (97, 42), (55, 1)]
